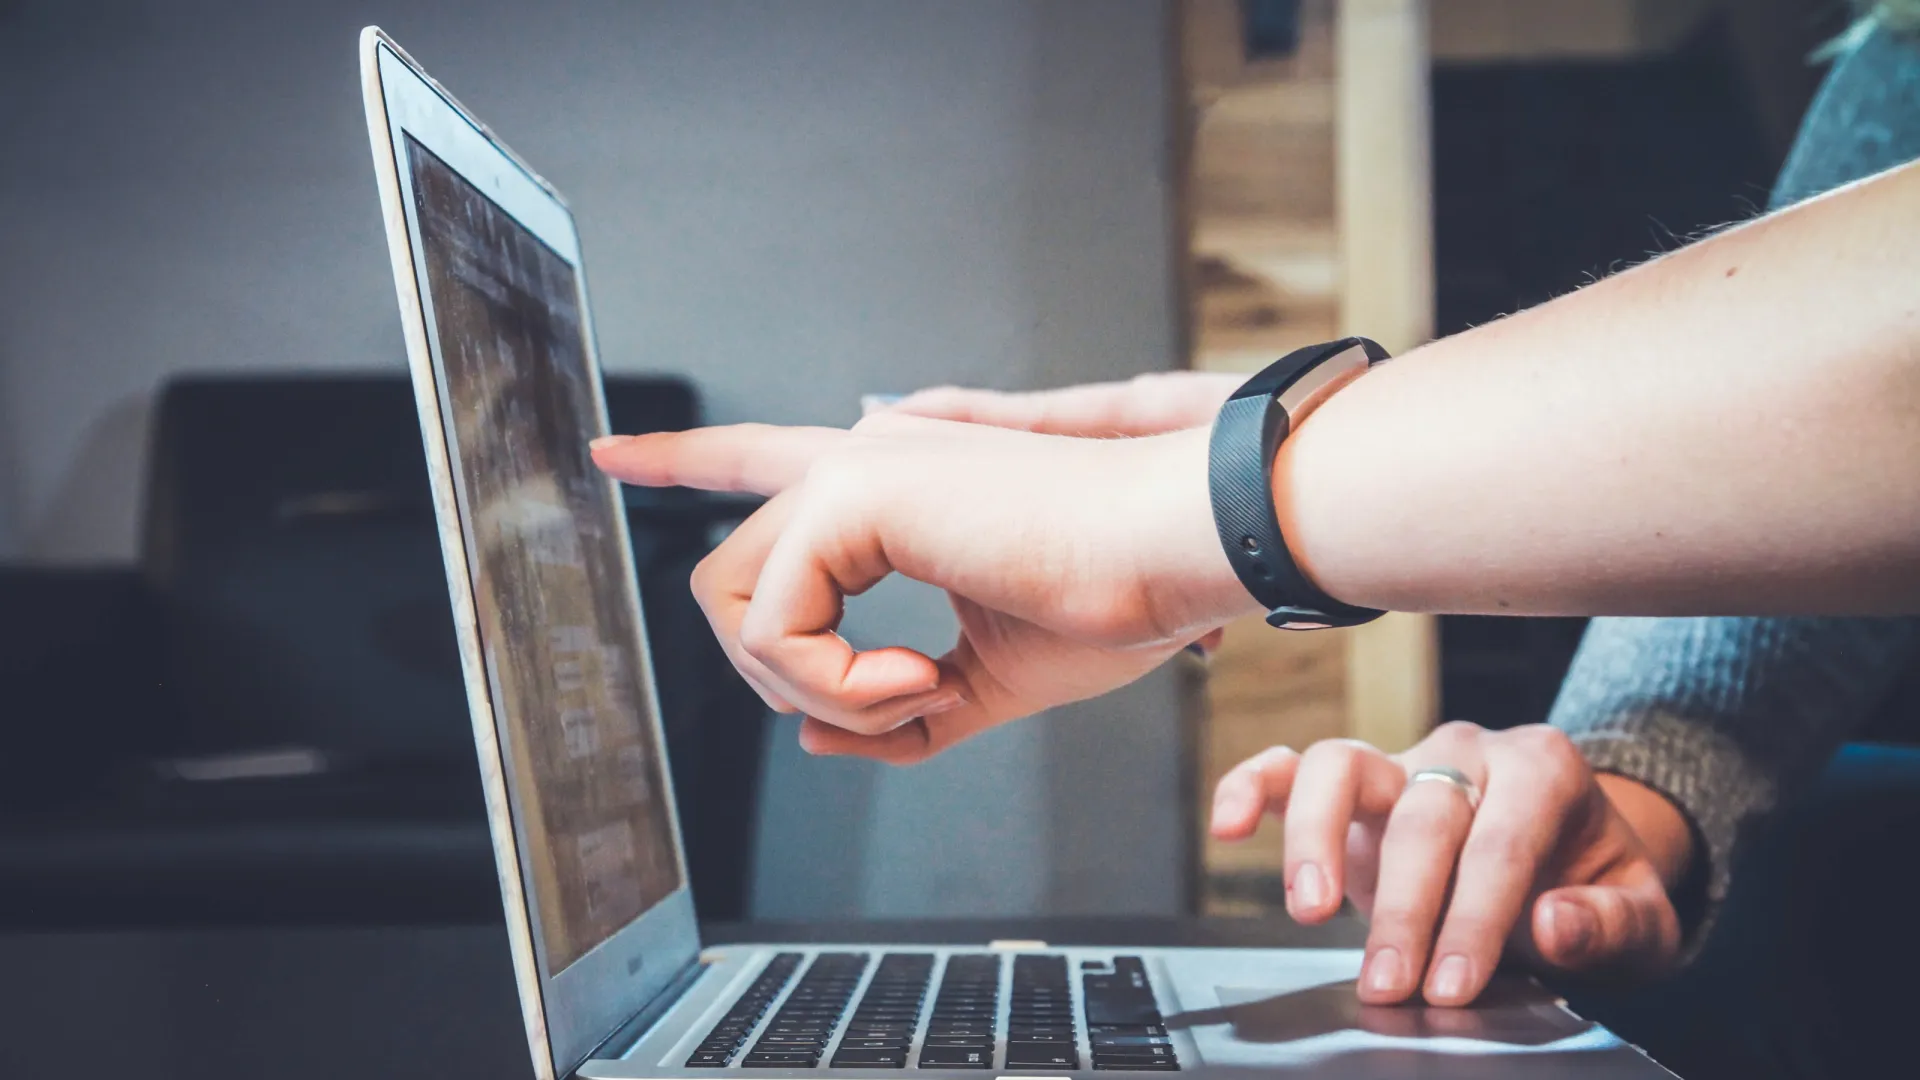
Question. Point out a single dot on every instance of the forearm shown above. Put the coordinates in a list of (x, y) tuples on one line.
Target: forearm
[(1734, 427)]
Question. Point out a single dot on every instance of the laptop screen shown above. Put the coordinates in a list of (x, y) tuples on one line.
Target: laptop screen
[(550, 587)]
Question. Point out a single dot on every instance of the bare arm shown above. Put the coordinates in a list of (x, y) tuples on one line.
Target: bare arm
[(1732, 428)]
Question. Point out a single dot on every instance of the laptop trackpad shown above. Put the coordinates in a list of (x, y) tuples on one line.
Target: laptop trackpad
[(1508, 1013), (1300, 1008)]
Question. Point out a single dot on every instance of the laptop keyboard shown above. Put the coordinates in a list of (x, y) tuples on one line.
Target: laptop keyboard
[(807, 1018), (1040, 1025)]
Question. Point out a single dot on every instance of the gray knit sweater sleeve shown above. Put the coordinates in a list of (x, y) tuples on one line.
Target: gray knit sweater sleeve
[(1728, 716), (1724, 716)]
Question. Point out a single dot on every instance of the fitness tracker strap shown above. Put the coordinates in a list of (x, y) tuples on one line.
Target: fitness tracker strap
[(1246, 435)]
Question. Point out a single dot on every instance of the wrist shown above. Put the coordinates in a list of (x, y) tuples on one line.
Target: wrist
[(1190, 585), (1663, 830)]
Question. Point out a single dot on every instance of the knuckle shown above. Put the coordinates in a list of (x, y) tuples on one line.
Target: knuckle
[(759, 640), (1273, 757), (1472, 933), (1334, 753), (1544, 741), (1398, 922), (701, 580), (1455, 734), (1550, 757), (1424, 818), (1501, 844)]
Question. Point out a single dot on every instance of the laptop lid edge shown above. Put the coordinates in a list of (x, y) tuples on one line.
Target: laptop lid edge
[(555, 1053)]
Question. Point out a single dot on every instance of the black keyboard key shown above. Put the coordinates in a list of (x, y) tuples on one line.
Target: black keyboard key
[(764, 1059), (725, 1038), (896, 1058), (1041, 1056), (956, 1057), (1039, 1027), (1136, 1053), (938, 1028), (958, 1040), (881, 1028), (1135, 1066), (1118, 1041), (960, 1026), (797, 1035), (1120, 998), (1126, 1029), (1121, 1012)]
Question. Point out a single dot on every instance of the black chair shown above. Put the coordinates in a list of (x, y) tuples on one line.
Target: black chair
[(265, 722)]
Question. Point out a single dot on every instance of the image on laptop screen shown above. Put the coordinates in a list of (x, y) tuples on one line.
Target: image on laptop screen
[(556, 630)]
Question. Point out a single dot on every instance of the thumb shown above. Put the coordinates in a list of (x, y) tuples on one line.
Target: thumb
[(1592, 928)]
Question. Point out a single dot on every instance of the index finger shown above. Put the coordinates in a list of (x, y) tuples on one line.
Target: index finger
[(1147, 404), (764, 459), (1081, 410)]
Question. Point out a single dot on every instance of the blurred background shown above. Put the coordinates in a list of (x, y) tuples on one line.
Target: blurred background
[(226, 670)]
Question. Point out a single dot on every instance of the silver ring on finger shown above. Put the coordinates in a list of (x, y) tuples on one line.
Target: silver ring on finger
[(1454, 777)]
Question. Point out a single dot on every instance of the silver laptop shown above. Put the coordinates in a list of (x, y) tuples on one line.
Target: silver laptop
[(611, 975)]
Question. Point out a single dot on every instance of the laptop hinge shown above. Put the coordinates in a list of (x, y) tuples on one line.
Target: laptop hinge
[(628, 1035)]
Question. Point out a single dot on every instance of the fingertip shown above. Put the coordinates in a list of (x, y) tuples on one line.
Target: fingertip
[(1235, 809), (1564, 930), (1312, 894), (878, 675), (623, 457), (813, 738), (908, 744), (1228, 829)]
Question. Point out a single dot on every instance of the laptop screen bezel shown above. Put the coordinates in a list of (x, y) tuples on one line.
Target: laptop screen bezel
[(571, 1012)]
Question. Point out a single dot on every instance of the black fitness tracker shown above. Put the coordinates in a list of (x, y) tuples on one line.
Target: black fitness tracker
[(1246, 435)]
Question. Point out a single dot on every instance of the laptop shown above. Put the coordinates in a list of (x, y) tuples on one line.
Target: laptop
[(612, 979)]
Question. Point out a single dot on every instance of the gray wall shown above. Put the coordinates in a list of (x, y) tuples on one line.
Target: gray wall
[(793, 203)]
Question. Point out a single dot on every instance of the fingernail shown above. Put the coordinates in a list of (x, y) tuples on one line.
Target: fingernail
[(1229, 804), (1572, 926), (1385, 971), (943, 703), (1309, 888), (605, 441), (1450, 978)]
